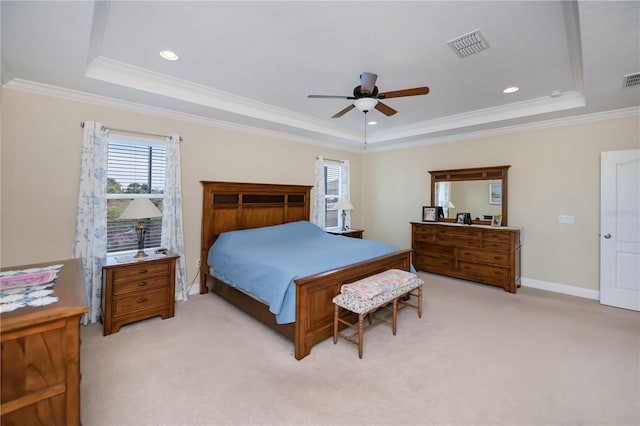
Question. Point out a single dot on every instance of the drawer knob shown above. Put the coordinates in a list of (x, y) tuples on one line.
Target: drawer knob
[(142, 283), (142, 300), (143, 271)]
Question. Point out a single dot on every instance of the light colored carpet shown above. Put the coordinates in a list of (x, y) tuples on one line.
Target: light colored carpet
[(478, 356)]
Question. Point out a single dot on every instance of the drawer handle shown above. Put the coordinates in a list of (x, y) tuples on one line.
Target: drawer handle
[(142, 300), (142, 284), (143, 271), (497, 257)]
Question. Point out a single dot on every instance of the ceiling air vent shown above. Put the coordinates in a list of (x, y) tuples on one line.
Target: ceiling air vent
[(469, 44), (631, 80)]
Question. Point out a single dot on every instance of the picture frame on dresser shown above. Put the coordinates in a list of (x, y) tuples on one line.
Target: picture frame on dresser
[(462, 218), (496, 220), (431, 213)]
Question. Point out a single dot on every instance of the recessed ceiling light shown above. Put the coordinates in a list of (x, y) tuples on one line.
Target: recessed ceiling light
[(372, 123), (169, 55), (511, 89)]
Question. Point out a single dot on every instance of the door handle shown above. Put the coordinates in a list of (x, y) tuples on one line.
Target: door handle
[(607, 236)]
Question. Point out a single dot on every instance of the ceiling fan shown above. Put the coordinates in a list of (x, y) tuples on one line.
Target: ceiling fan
[(366, 96)]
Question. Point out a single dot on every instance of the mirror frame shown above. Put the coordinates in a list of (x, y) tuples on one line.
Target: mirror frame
[(475, 173)]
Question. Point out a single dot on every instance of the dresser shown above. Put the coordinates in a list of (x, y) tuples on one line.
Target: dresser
[(40, 360), (134, 289), (485, 254)]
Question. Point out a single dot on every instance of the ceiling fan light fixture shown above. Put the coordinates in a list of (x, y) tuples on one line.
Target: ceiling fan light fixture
[(365, 104), (372, 123)]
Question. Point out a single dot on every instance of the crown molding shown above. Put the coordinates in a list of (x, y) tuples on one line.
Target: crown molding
[(88, 98), (538, 125), (122, 74), (536, 106)]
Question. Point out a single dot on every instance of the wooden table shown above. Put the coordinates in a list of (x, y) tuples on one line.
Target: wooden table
[(40, 357)]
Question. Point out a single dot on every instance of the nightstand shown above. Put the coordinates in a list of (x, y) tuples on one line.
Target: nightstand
[(353, 233), (134, 289)]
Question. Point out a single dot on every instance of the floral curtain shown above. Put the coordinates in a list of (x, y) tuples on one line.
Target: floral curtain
[(318, 194), (172, 232), (345, 192), (91, 218)]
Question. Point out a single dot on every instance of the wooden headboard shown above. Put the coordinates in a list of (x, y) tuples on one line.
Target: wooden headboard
[(230, 206)]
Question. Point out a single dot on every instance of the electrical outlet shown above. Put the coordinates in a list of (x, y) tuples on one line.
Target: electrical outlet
[(198, 263)]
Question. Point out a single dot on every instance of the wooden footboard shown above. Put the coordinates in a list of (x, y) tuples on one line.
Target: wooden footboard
[(314, 294)]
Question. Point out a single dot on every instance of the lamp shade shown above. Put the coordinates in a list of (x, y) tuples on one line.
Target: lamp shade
[(140, 208), (450, 205), (344, 204)]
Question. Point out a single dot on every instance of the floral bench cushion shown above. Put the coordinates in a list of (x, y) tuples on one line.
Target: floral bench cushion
[(354, 302), (380, 283)]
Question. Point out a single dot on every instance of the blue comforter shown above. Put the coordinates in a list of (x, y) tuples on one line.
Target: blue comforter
[(264, 262)]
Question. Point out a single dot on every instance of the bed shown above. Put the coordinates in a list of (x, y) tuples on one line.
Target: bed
[(232, 206)]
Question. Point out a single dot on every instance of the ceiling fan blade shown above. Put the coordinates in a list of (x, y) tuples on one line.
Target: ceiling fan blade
[(385, 109), (406, 92), (344, 111), (367, 82), (330, 97)]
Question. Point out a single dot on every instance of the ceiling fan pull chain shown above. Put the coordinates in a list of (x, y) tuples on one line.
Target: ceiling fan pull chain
[(365, 130)]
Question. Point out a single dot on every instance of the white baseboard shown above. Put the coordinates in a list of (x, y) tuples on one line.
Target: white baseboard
[(561, 288)]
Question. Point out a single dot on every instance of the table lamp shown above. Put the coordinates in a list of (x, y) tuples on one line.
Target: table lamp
[(344, 205), (140, 209)]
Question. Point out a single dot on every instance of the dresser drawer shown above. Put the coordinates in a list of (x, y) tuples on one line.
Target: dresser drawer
[(430, 262), (140, 283), (485, 273), (459, 235), (484, 256), (497, 245), (490, 235), (140, 270), (424, 232), (140, 301)]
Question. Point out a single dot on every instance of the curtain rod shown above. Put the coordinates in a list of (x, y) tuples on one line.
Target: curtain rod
[(133, 132), (329, 159)]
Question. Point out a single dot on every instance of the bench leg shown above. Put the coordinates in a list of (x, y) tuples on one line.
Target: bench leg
[(336, 312), (420, 302), (394, 320), (360, 334)]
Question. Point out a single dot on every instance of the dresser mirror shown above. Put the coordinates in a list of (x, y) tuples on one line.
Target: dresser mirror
[(481, 191)]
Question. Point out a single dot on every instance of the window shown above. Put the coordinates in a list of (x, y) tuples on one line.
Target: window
[(332, 185), (134, 169)]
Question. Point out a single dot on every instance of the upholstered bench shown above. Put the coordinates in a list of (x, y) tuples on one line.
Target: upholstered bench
[(366, 296)]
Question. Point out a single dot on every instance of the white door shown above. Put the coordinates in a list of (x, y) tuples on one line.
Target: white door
[(620, 229)]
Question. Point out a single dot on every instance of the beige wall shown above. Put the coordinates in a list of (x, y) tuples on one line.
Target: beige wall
[(41, 147), (553, 171)]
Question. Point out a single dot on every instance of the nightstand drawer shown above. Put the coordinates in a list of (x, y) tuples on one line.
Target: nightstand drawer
[(140, 270), (139, 301), (140, 284)]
